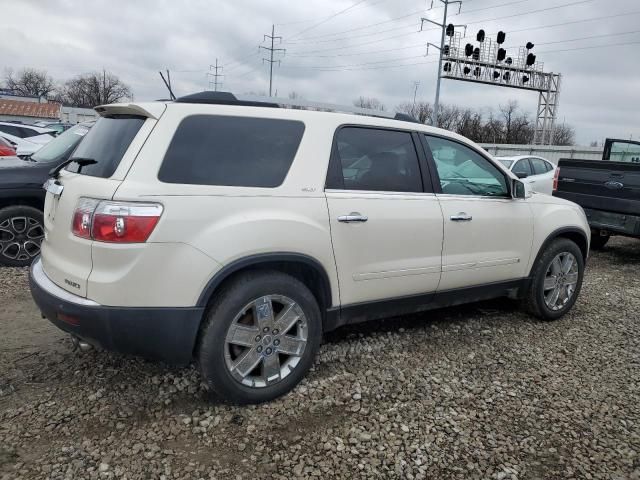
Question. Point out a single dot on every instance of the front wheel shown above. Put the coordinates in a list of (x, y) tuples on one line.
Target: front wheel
[(556, 280), (261, 337), (21, 233)]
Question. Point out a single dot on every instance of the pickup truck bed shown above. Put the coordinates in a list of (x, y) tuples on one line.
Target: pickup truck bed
[(609, 193)]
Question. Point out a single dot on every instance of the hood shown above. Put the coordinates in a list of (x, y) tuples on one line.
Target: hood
[(14, 162)]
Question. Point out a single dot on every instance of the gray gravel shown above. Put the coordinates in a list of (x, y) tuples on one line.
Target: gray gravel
[(481, 391)]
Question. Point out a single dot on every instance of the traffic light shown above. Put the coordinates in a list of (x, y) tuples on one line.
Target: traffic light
[(501, 37), (509, 61), (477, 71), (530, 45), (466, 70), (468, 50), (506, 76), (496, 74), (476, 53), (447, 67), (531, 59), (480, 36), (450, 30), (502, 53), (525, 79), (446, 50)]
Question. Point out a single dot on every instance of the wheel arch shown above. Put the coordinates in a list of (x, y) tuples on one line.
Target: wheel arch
[(572, 233), (303, 267)]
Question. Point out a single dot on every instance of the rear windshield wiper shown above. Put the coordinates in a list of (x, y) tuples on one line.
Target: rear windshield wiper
[(81, 161)]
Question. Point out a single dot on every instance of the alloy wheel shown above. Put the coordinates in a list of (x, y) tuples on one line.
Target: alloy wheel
[(266, 341), (20, 238), (560, 280)]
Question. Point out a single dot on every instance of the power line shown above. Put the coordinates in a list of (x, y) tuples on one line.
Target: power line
[(327, 19)]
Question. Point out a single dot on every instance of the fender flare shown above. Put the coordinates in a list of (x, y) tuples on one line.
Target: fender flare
[(559, 233), (263, 258)]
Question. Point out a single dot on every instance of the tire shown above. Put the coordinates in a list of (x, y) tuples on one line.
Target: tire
[(21, 233), (230, 338), (598, 241), (539, 294)]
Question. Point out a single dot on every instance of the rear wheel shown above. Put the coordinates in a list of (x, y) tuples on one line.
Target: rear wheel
[(21, 233), (556, 280), (262, 334), (598, 241)]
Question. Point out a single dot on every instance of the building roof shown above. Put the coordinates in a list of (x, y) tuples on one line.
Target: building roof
[(29, 109)]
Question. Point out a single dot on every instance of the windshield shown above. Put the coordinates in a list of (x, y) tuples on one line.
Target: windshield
[(61, 147), (506, 163)]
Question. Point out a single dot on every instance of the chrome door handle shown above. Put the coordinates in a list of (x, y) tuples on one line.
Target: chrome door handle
[(461, 217), (353, 217)]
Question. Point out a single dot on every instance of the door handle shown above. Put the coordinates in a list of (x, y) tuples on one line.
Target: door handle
[(461, 217), (353, 217)]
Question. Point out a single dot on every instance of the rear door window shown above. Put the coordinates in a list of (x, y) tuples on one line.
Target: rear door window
[(106, 144), (231, 151), (377, 160), (11, 130)]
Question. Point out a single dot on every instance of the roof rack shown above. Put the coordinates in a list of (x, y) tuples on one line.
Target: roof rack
[(228, 98)]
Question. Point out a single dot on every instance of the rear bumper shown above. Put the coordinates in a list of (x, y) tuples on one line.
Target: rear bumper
[(620, 223), (167, 334)]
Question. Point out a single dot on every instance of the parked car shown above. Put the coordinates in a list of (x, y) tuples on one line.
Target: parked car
[(21, 130), (25, 147), (537, 172), (6, 148), (607, 189), (22, 197), (57, 127), (237, 232)]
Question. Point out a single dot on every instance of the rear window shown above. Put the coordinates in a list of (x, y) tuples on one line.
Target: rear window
[(106, 143), (231, 151)]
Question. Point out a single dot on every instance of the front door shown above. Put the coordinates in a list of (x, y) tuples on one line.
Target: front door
[(487, 234), (386, 227)]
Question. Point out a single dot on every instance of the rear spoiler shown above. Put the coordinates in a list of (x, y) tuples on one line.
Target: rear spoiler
[(150, 110)]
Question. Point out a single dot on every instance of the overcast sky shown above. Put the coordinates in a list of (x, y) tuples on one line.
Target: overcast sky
[(336, 57)]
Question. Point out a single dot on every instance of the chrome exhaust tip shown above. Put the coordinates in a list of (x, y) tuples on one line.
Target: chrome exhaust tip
[(80, 345)]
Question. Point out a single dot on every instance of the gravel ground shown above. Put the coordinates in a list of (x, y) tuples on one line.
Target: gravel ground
[(481, 391)]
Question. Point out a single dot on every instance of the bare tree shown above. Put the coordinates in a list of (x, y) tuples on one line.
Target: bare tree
[(369, 102), (293, 95), (563, 135), (30, 82), (594, 143), (91, 89), (421, 111)]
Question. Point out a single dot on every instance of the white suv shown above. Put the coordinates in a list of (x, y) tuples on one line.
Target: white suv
[(236, 232)]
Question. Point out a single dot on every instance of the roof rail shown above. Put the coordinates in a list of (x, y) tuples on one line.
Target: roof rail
[(228, 98)]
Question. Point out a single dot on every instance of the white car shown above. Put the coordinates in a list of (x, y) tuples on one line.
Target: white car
[(25, 147), (22, 130), (235, 232), (537, 172)]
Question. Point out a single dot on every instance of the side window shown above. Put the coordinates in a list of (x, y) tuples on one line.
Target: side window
[(378, 160), (522, 166), (231, 151), (11, 130), (539, 166), (463, 171)]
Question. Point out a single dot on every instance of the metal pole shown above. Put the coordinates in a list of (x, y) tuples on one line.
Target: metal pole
[(436, 103), (273, 32)]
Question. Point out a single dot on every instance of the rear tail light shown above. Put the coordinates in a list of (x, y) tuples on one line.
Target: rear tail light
[(116, 222), (556, 176)]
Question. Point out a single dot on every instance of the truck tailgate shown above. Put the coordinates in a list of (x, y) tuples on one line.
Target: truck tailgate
[(601, 185)]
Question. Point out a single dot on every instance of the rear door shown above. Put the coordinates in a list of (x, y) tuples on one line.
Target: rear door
[(543, 175), (112, 143), (386, 223)]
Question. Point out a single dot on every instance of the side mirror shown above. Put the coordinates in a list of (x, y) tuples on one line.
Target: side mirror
[(518, 189), (521, 175)]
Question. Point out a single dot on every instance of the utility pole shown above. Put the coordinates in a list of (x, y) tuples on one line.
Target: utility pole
[(443, 26), (415, 92), (271, 51), (215, 76)]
